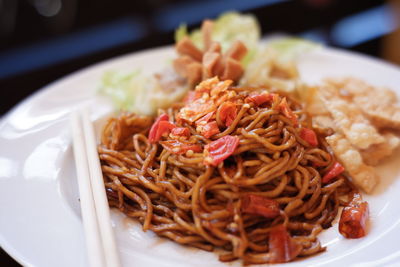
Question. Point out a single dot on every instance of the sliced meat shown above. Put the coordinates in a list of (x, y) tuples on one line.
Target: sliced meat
[(233, 70), (214, 47), (210, 63), (188, 68), (206, 32), (194, 73), (362, 175), (186, 47), (237, 51), (180, 64)]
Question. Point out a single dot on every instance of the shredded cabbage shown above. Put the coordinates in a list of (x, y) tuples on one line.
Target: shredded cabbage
[(138, 93), (117, 86), (288, 49)]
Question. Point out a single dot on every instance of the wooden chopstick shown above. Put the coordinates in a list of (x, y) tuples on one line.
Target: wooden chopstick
[(92, 234), (97, 193)]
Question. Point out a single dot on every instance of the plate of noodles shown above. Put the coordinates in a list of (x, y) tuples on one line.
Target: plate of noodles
[(222, 151)]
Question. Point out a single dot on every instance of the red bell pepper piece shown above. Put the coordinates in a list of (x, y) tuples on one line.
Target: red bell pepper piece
[(190, 97), (354, 218), (227, 113), (309, 136), (210, 129), (259, 98), (180, 131), (159, 127), (334, 171), (260, 205), (282, 247), (206, 118), (220, 149)]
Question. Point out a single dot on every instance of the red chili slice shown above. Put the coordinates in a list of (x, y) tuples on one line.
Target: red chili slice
[(285, 109), (190, 97), (180, 131), (218, 150), (203, 120), (227, 113), (260, 205), (159, 127), (259, 98), (354, 218), (178, 147), (210, 129), (334, 171), (282, 247), (309, 136)]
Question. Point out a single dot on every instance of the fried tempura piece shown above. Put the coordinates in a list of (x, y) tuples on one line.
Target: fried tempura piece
[(321, 118), (375, 153), (378, 104), (323, 122), (349, 119), (362, 175)]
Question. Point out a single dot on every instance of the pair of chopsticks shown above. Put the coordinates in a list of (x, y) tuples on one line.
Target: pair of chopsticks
[(100, 241)]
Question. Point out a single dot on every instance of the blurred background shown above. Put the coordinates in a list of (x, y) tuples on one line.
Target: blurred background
[(43, 40)]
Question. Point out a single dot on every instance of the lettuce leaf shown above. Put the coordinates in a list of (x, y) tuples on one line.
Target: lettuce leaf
[(117, 86), (138, 93), (288, 49)]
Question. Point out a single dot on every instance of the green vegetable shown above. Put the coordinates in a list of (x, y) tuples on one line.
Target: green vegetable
[(180, 32), (288, 49), (137, 93), (118, 87)]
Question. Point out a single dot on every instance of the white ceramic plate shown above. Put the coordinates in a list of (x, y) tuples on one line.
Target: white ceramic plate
[(40, 222)]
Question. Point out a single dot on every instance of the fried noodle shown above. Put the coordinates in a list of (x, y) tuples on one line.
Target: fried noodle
[(179, 196)]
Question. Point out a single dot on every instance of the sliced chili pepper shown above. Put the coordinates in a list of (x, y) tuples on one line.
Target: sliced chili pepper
[(309, 136), (159, 127), (178, 147), (259, 98), (210, 129), (227, 113), (334, 171), (282, 247), (220, 149), (260, 205), (354, 218), (190, 97), (285, 109), (180, 131), (206, 118), (196, 109)]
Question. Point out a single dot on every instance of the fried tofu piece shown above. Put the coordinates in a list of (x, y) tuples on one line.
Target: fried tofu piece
[(321, 118), (378, 104), (349, 119), (363, 176), (323, 122), (311, 97), (376, 153)]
